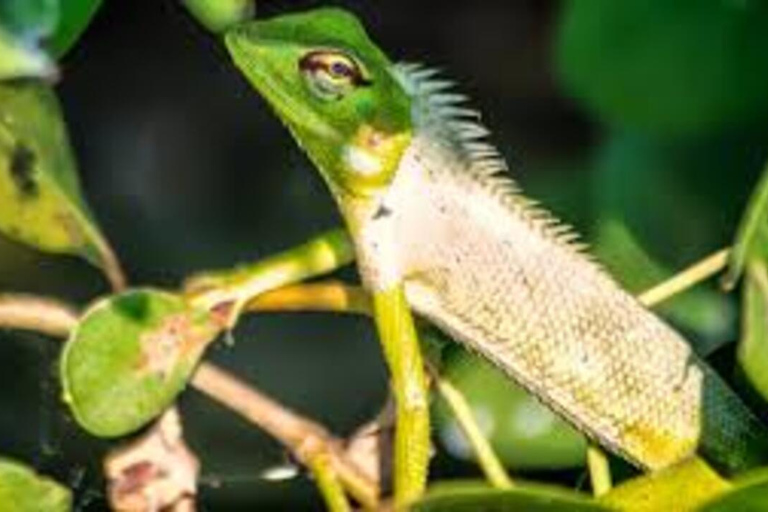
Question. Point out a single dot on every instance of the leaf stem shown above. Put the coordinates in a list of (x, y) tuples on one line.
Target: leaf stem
[(599, 470), (234, 289), (402, 352), (687, 278), (486, 458)]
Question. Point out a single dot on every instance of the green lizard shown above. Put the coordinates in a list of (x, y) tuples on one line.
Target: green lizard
[(436, 223)]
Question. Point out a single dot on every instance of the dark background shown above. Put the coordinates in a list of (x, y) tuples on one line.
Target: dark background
[(187, 169)]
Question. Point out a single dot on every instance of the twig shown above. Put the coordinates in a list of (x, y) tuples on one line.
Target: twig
[(691, 276), (305, 438), (46, 316), (599, 470), (299, 434), (486, 457)]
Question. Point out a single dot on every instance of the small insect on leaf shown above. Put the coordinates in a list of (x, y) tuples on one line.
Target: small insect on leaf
[(22, 490), (41, 202), (130, 356)]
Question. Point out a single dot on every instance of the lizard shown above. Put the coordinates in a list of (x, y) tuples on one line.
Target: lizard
[(429, 205)]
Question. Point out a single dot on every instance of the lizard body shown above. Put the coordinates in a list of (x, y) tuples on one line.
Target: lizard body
[(428, 203)]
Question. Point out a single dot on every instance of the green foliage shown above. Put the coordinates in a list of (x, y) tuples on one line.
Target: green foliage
[(74, 17), (524, 433), (30, 20), (679, 488), (21, 490), (749, 257), (749, 494), (58, 23), (472, 497), (219, 15), (40, 192), (18, 59), (672, 67), (752, 352), (129, 358)]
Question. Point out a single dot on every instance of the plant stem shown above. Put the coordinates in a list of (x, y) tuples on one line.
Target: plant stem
[(234, 289), (486, 458), (685, 279), (327, 481), (309, 441), (599, 470), (402, 352)]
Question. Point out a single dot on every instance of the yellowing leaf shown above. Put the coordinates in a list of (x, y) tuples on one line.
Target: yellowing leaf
[(129, 357), (680, 488), (21, 490), (41, 202)]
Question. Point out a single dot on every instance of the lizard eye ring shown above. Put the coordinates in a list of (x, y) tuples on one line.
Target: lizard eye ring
[(330, 74)]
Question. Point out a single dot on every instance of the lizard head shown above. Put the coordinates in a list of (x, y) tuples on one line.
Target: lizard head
[(334, 89)]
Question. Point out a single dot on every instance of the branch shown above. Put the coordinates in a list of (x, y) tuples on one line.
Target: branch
[(308, 440)]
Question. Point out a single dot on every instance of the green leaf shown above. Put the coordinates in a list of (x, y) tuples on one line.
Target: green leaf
[(474, 497), (74, 18), (22, 490), (30, 20), (130, 356), (670, 67), (219, 15), (752, 352), (22, 60), (41, 202), (748, 494), (523, 433), (752, 235), (680, 488)]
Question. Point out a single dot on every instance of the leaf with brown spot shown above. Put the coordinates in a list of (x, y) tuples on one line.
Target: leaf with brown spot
[(130, 356), (41, 202)]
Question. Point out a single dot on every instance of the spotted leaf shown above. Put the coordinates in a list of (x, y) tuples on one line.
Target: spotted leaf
[(130, 356)]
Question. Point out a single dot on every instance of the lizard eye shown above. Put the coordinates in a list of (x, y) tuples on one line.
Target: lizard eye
[(331, 75)]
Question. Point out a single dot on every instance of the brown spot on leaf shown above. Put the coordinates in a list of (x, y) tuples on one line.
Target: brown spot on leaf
[(177, 338)]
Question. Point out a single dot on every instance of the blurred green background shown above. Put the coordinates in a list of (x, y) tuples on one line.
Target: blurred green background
[(643, 123)]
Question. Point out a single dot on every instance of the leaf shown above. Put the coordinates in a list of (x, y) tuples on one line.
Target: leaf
[(752, 351), (130, 356), (474, 497), (22, 60), (219, 15), (41, 202), (22, 490), (748, 494), (523, 433), (30, 20), (677, 68), (680, 488), (752, 235), (75, 16)]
